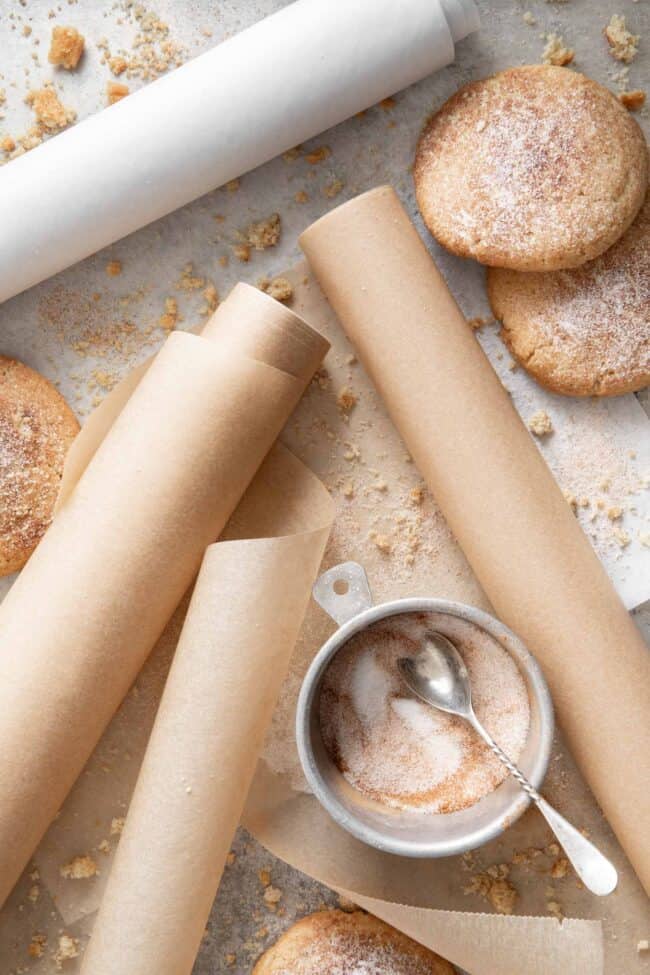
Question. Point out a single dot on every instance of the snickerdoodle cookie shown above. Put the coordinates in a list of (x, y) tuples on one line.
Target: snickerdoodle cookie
[(36, 429), (342, 944), (535, 168), (586, 331)]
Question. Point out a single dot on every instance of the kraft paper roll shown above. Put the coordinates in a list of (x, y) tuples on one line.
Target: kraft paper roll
[(497, 494), (306, 68), (126, 543), (240, 629)]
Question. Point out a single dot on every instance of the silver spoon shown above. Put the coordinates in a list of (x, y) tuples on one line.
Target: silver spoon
[(438, 675)]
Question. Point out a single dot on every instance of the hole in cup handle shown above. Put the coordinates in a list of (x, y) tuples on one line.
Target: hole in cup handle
[(343, 591)]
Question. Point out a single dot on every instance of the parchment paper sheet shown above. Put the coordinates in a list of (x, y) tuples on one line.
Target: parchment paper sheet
[(84, 613), (499, 498), (241, 627), (292, 75)]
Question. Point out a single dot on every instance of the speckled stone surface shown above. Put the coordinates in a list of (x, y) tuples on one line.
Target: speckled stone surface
[(374, 148)]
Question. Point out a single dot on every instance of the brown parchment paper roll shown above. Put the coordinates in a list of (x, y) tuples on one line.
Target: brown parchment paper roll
[(241, 626), (79, 622), (497, 494)]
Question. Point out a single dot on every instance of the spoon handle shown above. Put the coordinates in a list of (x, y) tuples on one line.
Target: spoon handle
[(594, 869)]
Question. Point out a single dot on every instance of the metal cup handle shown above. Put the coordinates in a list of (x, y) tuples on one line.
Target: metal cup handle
[(343, 591)]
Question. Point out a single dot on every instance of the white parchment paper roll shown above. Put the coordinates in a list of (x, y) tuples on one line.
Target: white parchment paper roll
[(294, 74)]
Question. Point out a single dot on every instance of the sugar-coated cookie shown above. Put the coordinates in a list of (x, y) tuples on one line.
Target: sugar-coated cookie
[(584, 332), (536, 168), (341, 943), (36, 430)]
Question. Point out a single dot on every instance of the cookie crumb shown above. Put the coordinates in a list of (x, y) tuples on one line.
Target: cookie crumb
[(66, 47), (170, 319), (51, 114), (278, 288), (540, 424), (301, 197), (632, 100), (113, 268), (556, 52), (332, 189), (79, 868), (623, 45), (67, 949), (382, 542), (528, 18), (36, 946), (318, 155), (116, 91), (346, 400), (264, 233), (117, 64), (272, 895), (242, 252), (117, 825)]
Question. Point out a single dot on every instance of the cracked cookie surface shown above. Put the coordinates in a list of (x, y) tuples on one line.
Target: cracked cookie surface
[(535, 168), (586, 331)]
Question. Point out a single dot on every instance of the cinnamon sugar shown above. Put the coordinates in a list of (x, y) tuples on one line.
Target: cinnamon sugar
[(396, 749)]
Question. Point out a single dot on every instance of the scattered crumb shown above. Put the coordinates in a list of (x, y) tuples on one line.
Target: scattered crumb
[(632, 100), (264, 876), (540, 424), (51, 115), (278, 288), (301, 197), (7, 144), (622, 44), (555, 908), (233, 185), (66, 47), (318, 155), (382, 542), (230, 859), (560, 868), (104, 847), (614, 513), (264, 233), (346, 904), (332, 189), (493, 885), (113, 268), (272, 895), (556, 52), (34, 893), (346, 400), (621, 537), (242, 252), (116, 91), (170, 319), (36, 946), (477, 322), (528, 18), (117, 64), (211, 296), (67, 949), (117, 825), (79, 868)]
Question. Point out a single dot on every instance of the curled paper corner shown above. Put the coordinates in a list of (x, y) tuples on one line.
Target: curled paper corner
[(487, 943)]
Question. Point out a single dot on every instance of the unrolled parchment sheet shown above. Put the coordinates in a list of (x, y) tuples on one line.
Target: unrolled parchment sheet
[(242, 623), (294, 74), (126, 543), (497, 494)]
